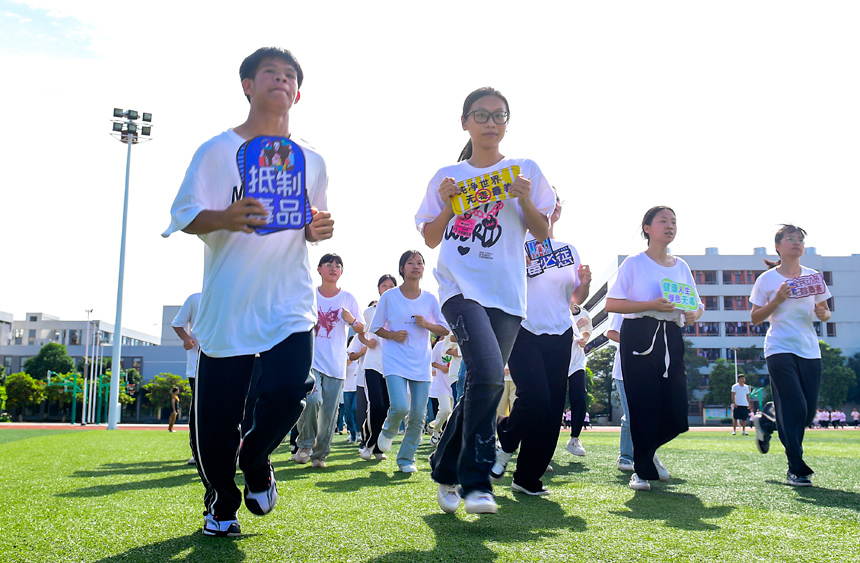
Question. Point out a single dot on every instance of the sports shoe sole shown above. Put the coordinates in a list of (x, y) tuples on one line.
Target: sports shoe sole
[(762, 438), (519, 489)]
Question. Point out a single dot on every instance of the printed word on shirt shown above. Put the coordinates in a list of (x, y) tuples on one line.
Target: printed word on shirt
[(542, 257), (477, 191), (806, 285), (682, 295)]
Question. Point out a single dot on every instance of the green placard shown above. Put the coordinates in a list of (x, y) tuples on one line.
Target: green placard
[(681, 294)]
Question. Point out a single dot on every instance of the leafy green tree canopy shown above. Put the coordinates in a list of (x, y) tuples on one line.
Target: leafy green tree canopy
[(158, 390), (720, 382), (23, 390), (836, 378), (51, 356), (600, 363)]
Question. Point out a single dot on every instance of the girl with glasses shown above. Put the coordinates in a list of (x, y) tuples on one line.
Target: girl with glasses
[(478, 212), (791, 297), (651, 346)]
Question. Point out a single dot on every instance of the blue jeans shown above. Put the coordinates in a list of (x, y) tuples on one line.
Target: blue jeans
[(467, 450), (348, 409), (461, 382), (316, 425), (415, 405), (625, 447)]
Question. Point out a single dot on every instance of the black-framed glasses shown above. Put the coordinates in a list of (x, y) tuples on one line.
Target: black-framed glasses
[(483, 116)]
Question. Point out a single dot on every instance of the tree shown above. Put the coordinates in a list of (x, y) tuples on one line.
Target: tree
[(720, 382), (600, 363), (158, 390), (51, 356), (694, 363), (854, 390), (23, 390), (836, 377)]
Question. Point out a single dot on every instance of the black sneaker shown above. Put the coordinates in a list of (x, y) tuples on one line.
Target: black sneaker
[(220, 528), (797, 480), (762, 437), (263, 502)]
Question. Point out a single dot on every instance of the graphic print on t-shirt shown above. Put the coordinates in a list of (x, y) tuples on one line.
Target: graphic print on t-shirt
[(477, 225), (804, 286), (484, 189), (326, 320), (541, 257)]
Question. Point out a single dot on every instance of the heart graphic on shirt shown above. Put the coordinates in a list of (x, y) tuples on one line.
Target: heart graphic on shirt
[(464, 250)]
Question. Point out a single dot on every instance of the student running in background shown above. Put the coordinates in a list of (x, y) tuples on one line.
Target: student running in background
[(335, 316), (540, 360), (374, 382), (652, 347), (183, 326), (482, 285), (791, 297), (625, 443), (404, 319), (576, 392), (440, 388)]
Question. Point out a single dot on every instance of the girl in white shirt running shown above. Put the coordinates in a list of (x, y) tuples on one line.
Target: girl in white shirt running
[(791, 297), (652, 347), (482, 285), (404, 319)]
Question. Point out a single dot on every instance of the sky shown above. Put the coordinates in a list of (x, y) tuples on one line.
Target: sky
[(739, 115)]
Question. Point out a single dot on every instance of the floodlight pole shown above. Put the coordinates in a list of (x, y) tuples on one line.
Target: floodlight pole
[(116, 365)]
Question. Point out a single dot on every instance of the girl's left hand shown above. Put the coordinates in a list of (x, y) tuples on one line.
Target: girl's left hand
[(521, 188), (691, 317), (347, 316), (821, 311)]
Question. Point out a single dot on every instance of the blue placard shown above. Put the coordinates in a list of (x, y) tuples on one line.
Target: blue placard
[(273, 171)]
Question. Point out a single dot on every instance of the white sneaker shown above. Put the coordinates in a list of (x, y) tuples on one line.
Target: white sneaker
[(624, 465), (434, 438), (191, 461), (302, 455), (261, 503), (549, 469), (407, 468), (318, 464), (384, 443), (366, 453), (744, 433), (661, 470), (574, 446), (220, 528), (638, 484), (498, 469), (481, 502), (380, 456), (520, 489), (449, 498), (734, 432)]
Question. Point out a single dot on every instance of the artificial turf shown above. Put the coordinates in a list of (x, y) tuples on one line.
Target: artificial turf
[(128, 496)]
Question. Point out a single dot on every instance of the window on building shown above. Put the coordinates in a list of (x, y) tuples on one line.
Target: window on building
[(831, 304), (705, 277), (7, 363), (745, 355), (831, 329), (828, 278), (31, 337), (712, 302), (19, 336), (34, 318), (702, 329), (736, 303), (737, 329), (817, 326), (74, 338), (710, 354), (759, 329), (599, 318), (137, 363)]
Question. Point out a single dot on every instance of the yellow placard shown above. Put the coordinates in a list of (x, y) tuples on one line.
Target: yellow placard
[(485, 188)]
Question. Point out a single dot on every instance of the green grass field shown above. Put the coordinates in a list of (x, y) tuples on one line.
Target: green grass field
[(127, 496)]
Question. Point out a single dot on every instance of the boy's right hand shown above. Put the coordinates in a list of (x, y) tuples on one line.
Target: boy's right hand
[(399, 336), (244, 215)]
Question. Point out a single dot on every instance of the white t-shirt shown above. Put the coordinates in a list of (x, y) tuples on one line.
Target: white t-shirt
[(791, 328), (481, 254), (185, 319), (741, 394), (577, 352), (551, 269), (454, 366), (640, 279), (257, 290), (354, 370), (615, 321), (440, 386), (331, 331), (373, 358), (409, 359)]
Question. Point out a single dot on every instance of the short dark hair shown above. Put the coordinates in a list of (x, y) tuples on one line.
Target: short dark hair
[(175, 390), (406, 257), (330, 257), (649, 218), (386, 277), (249, 67)]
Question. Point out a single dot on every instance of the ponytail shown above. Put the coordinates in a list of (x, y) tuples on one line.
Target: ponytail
[(466, 153), (771, 264)]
